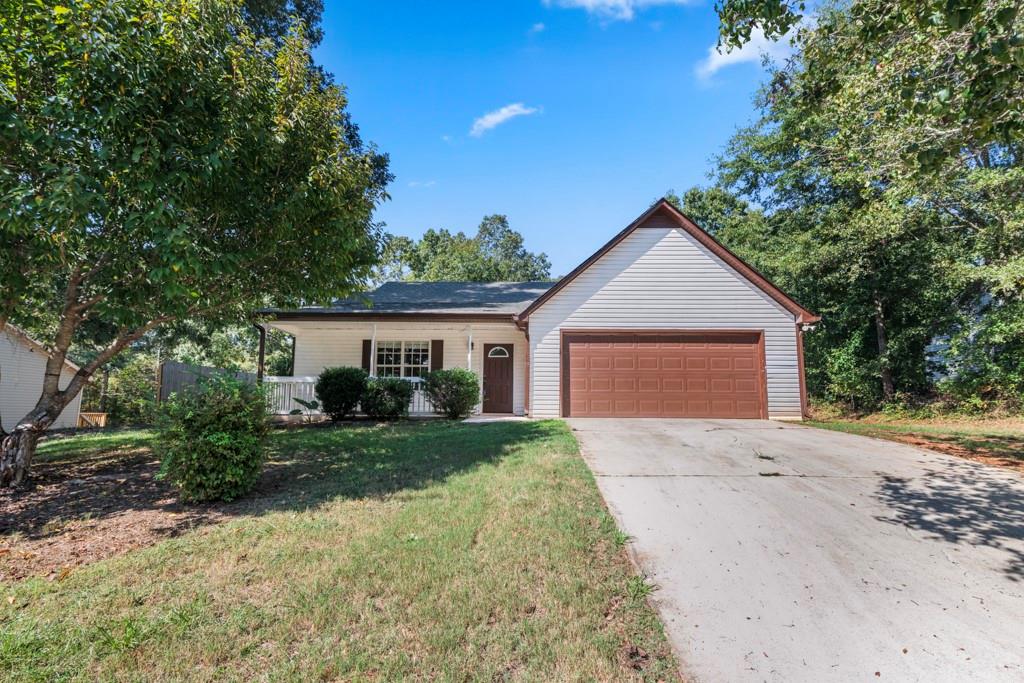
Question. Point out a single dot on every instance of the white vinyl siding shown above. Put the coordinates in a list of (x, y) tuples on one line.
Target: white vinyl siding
[(21, 382), (323, 344), (661, 277)]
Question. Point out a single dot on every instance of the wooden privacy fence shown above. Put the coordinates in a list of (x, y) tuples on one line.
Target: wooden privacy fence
[(175, 376)]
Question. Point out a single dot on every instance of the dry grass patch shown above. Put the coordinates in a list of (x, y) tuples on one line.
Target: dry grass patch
[(439, 550), (994, 442)]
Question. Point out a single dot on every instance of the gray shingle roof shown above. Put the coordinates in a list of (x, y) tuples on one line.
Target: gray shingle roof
[(437, 297)]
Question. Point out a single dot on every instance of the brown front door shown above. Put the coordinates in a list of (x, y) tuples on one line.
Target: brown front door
[(497, 378), (686, 374)]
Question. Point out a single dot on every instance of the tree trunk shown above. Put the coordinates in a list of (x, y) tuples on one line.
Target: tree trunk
[(18, 447), (888, 385), (16, 451)]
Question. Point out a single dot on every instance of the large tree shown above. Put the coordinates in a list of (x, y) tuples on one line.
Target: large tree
[(896, 196), (495, 254), (952, 69), (159, 162)]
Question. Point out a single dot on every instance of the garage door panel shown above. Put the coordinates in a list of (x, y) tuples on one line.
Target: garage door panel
[(648, 384), (672, 375), (671, 362)]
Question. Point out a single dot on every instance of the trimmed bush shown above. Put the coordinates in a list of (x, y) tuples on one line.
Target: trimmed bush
[(340, 390), (453, 392), (387, 397), (210, 439)]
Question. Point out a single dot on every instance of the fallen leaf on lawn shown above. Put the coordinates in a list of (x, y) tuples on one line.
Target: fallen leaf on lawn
[(64, 573)]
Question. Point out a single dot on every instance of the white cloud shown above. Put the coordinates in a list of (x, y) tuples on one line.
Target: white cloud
[(422, 183), (537, 28), (752, 51), (614, 10), (495, 118), (446, 138)]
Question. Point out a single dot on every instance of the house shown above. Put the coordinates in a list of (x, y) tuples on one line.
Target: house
[(662, 321), (22, 364)]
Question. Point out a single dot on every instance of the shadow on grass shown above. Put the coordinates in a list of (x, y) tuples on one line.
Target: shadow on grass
[(114, 475), (962, 504)]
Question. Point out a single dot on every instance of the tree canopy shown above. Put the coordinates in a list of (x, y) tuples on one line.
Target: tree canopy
[(495, 254), (159, 161), (887, 203)]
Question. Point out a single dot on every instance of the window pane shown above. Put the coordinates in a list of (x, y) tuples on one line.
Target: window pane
[(417, 354)]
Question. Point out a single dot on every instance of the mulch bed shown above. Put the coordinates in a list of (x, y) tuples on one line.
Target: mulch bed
[(79, 512), (88, 509)]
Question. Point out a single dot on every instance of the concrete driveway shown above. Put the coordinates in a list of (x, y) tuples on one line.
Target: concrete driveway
[(785, 553)]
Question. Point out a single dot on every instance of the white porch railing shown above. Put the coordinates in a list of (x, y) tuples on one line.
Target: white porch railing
[(284, 390)]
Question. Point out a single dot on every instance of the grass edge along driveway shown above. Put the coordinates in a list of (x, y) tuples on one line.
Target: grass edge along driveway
[(415, 550)]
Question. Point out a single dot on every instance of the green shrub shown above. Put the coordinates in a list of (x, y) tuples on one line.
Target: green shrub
[(340, 390), (387, 397), (453, 392), (210, 438)]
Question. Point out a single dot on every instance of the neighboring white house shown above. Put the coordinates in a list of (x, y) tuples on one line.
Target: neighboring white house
[(662, 321), (22, 363)]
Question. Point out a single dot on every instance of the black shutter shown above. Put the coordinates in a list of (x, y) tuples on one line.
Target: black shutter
[(367, 348), (436, 354)]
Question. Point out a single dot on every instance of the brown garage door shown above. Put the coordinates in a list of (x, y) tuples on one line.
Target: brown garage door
[(705, 374)]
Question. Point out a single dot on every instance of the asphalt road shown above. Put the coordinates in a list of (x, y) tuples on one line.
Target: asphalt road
[(786, 553)]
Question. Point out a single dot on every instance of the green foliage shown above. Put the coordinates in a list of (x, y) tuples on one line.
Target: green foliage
[(306, 410), (638, 588), (273, 18), (210, 439), (160, 162), (340, 390), (387, 398), (899, 221), (949, 72), (495, 254), (131, 392), (453, 392)]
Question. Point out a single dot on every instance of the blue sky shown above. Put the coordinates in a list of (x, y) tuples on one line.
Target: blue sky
[(569, 116)]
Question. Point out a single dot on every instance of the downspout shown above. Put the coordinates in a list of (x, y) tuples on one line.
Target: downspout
[(263, 351), (295, 341)]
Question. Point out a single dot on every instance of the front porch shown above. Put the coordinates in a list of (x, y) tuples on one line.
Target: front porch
[(283, 391), (495, 351)]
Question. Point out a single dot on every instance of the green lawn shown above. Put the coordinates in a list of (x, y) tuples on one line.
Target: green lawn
[(1002, 440), (421, 550)]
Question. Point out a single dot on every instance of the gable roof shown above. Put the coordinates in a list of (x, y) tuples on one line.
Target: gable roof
[(23, 336), (665, 209), (449, 298)]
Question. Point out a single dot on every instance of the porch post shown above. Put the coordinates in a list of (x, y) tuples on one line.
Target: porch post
[(373, 351), (262, 352)]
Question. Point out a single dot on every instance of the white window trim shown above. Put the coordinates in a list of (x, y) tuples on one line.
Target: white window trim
[(424, 345)]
